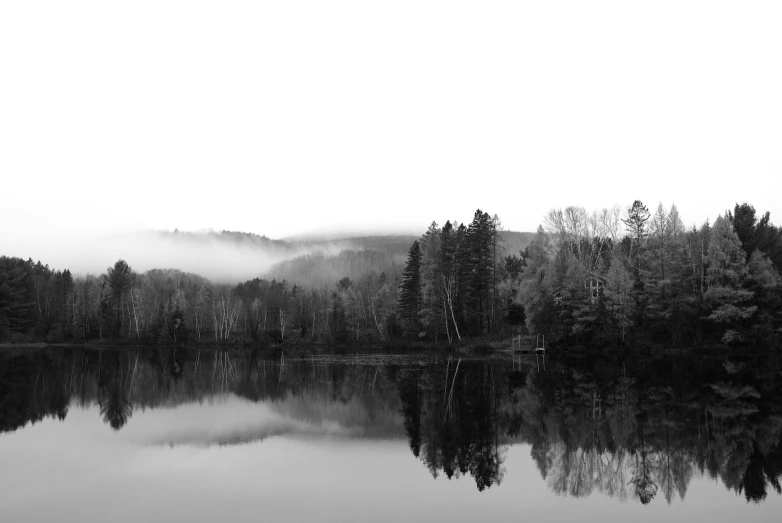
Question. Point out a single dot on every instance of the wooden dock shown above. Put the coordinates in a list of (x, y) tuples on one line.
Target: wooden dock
[(539, 348), (539, 351)]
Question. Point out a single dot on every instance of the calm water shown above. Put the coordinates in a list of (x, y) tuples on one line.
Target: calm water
[(187, 435)]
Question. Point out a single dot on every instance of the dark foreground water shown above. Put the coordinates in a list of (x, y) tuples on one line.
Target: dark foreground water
[(187, 435)]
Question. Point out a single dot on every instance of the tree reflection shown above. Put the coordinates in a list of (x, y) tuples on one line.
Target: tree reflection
[(762, 470), (115, 407), (451, 418), (631, 427), (645, 486), (410, 395)]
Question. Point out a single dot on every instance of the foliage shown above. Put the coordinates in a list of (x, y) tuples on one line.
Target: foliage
[(592, 279)]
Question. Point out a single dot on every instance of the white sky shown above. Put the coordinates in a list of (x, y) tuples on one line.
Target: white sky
[(291, 117)]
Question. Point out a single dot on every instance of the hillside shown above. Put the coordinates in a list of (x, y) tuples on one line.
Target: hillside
[(234, 256), (363, 255), (513, 242)]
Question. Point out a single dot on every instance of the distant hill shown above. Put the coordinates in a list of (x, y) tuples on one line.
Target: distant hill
[(224, 256), (513, 241), (365, 254), (310, 243), (234, 256), (362, 255)]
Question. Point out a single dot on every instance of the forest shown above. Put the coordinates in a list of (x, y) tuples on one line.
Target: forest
[(609, 278)]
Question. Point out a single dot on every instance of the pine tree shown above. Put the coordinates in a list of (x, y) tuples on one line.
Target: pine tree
[(410, 291), (463, 272), (16, 300), (447, 249), (757, 233), (119, 278), (479, 239), (497, 248), (448, 279), (637, 218), (743, 220), (431, 288)]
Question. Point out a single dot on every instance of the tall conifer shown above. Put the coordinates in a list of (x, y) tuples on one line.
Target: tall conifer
[(410, 290)]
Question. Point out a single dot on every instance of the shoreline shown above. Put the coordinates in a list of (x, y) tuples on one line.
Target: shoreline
[(476, 347)]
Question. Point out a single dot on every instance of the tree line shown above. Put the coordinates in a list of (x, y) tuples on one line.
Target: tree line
[(38, 303), (616, 279), (606, 278), (602, 279)]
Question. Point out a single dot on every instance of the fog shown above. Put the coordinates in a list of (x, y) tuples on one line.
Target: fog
[(227, 419), (221, 257), (223, 420)]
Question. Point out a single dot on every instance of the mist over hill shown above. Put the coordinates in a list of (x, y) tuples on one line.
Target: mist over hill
[(367, 254), (380, 254), (222, 256), (233, 256)]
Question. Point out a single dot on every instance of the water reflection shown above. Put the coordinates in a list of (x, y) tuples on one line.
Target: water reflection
[(452, 421), (630, 427), (115, 406)]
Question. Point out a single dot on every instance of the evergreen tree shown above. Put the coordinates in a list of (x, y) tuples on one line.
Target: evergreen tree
[(448, 279), (480, 268), (16, 300), (743, 221), (769, 238), (431, 313), (447, 249), (497, 248), (410, 291), (636, 224), (120, 279), (463, 273), (757, 233), (637, 217)]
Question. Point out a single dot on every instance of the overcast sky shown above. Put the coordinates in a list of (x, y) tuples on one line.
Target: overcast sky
[(291, 117)]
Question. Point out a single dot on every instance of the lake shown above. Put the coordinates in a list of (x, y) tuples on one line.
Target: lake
[(167, 434)]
